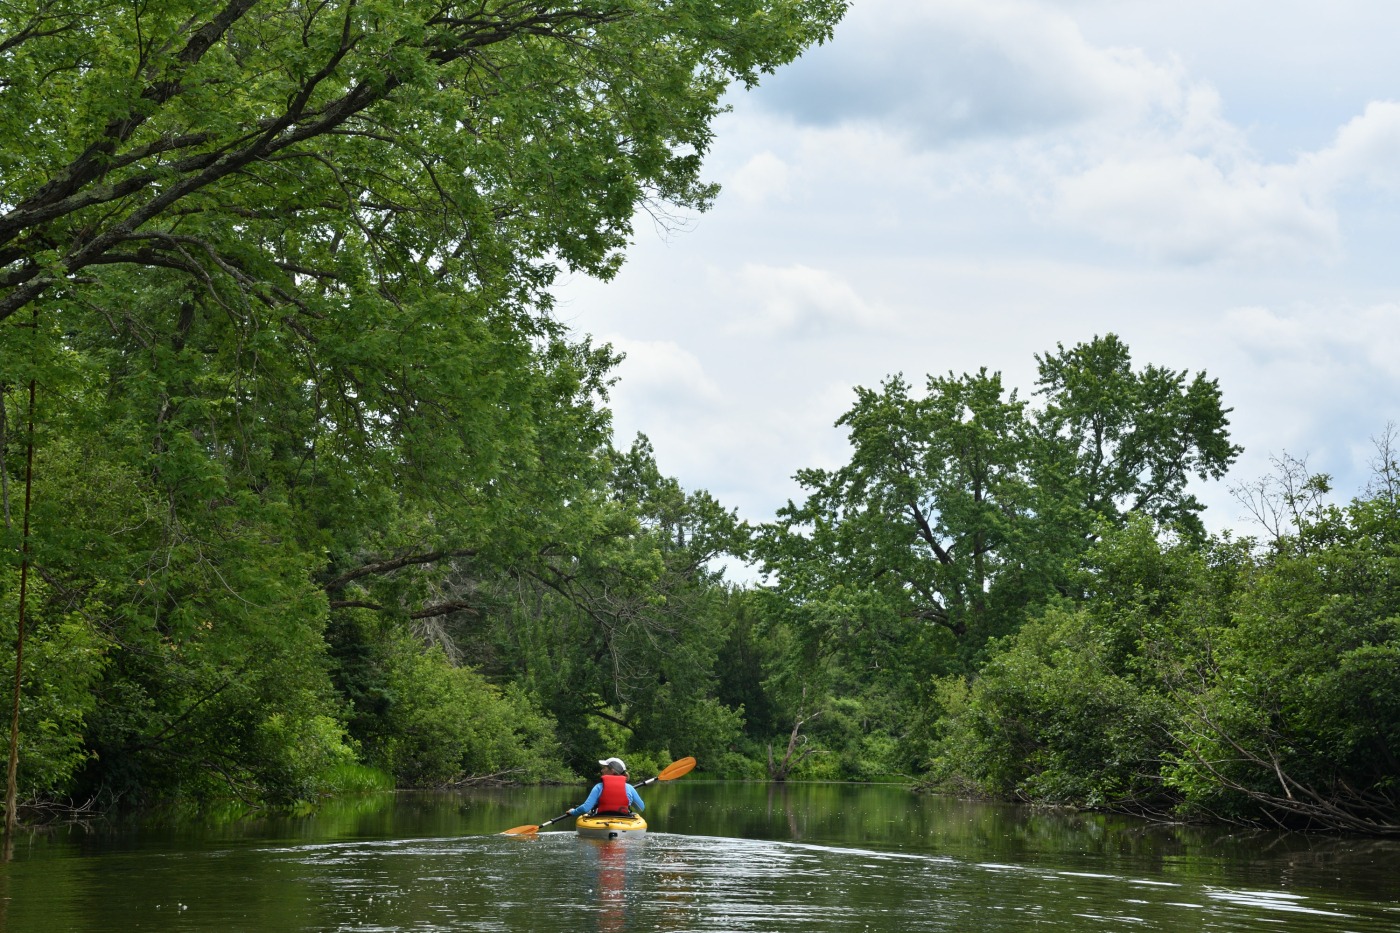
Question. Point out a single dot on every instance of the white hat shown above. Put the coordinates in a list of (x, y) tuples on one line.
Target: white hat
[(614, 763)]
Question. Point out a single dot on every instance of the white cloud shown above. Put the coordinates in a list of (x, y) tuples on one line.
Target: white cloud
[(1366, 150), (762, 178), (1008, 96), (1187, 208), (1312, 381), (799, 301), (663, 372), (1361, 345), (1378, 330), (740, 435), (1264, 333), (1211, 201), (953, 70)]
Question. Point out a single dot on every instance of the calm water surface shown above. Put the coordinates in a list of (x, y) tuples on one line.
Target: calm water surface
[(721, 856)]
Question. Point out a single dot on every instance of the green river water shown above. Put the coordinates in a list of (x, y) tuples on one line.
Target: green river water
[(720, 857)]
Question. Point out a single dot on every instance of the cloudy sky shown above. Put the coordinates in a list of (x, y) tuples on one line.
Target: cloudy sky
[(952, 184)]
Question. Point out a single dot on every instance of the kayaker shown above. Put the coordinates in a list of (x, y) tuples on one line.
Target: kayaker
[(612, 795)]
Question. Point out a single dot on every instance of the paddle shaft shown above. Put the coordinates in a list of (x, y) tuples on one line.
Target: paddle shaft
[(563, 816)]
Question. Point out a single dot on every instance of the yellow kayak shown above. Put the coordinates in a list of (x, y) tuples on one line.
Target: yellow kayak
[(610, 827)]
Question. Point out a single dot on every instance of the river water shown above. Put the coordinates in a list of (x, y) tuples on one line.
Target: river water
[(720, 857)]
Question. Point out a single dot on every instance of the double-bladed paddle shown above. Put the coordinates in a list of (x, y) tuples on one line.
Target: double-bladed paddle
[(672, 771)]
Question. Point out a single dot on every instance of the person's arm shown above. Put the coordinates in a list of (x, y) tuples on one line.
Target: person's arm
[(592, 800), (635, 799)]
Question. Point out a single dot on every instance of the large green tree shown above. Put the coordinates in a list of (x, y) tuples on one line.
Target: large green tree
[(962, 506), (619, 630), (922, 512), (281, 273), (961, 503), (314, 240), (1127, 442)]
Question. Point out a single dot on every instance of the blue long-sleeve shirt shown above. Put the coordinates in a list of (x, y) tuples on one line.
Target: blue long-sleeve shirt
[(634, 800)]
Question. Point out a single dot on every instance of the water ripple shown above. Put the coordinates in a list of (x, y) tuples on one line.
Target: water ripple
[(658, 882)]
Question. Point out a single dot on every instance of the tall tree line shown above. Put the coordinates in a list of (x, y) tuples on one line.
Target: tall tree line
[(280, 272)]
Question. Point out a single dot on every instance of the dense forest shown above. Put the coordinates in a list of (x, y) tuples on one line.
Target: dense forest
[(306, 491)]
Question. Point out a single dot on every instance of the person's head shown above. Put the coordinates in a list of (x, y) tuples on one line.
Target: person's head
[(613, 766)]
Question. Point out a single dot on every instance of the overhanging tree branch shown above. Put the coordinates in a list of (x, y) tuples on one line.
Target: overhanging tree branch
[(339, 583), (25, 230)]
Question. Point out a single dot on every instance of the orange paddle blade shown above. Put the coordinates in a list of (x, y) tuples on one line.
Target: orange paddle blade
[(520, 831), (677, 769)]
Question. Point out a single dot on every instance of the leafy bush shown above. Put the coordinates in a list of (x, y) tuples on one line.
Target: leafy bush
[(1221, 681), (295, 759), (1294, 711), (355, 778), (1049, 720), (63, 658), (445, 723)]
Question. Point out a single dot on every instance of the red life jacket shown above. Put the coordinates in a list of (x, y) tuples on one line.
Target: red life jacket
[(613, 799)]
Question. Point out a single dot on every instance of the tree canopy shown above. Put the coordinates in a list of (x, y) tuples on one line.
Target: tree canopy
[(306, 157), (280, 272), (961, 505)]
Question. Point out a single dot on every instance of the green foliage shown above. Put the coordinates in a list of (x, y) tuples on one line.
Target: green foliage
[(1292, 709), (961, 507), (854, 741), (964, 511), (738, 766), (324, 493), (63, 659), (354, 778), (296, 760), (617, 631), (1076, 707), (702, 725), (440, 723), (284, 274), (929, 495), (349, 155), (1050, 719), (1220, 681), (1126, 442)]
